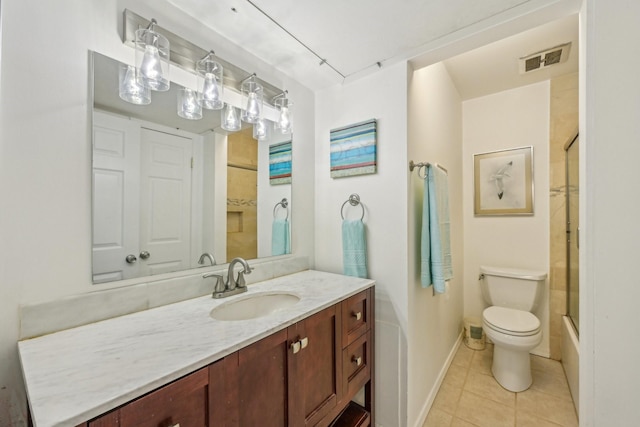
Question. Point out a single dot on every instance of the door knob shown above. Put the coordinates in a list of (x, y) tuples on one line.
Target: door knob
[(144, 255), (131, 259)]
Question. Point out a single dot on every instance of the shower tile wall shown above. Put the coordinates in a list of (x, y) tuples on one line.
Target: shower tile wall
[(563, 127)]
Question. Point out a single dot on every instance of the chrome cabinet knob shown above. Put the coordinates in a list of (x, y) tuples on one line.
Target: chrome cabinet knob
[(144, 255), (131, 259)]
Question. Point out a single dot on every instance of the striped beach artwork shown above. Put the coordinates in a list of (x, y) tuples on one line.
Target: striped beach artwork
[(280, 163), (353, 149)]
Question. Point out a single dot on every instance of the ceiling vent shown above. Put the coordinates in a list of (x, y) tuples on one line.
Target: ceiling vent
[(544, 58)]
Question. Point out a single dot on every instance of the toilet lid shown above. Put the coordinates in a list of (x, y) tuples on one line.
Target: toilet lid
[(511, 321)]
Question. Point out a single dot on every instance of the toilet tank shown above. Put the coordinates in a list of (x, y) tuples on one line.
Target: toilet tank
[(512, 288)]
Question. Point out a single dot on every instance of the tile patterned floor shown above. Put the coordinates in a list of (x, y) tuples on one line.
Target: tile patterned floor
[(471, 397)]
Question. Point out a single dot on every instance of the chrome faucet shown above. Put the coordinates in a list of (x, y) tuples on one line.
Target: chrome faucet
[(233, 285), (212, 260)]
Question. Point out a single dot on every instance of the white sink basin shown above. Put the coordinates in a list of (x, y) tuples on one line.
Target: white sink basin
[(254, 306)]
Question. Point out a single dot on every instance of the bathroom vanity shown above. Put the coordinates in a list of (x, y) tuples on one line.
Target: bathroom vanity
[(300, 364)]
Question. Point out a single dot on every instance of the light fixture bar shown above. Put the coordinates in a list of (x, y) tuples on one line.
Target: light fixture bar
[(185, 54), (323, 61)]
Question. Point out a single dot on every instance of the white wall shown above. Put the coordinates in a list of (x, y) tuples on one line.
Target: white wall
[(45, 172), (609, 212), (509, 119), (382, 96), (435, 136)]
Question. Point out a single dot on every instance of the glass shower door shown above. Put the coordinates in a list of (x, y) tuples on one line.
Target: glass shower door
[(573, 232)]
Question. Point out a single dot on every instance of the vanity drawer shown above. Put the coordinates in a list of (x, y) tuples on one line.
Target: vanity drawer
[(182, 402), (356, 313), (356, 369)]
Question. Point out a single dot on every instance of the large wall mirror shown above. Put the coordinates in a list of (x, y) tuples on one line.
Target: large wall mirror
[(172, 194)]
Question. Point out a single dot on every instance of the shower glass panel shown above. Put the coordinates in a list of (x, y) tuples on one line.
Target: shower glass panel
[(573, 232)]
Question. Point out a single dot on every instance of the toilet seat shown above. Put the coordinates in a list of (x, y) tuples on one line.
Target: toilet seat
[(511, 321)]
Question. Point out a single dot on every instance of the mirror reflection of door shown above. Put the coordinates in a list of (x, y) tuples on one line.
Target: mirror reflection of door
[(165, 201), (142, 200), (242, 195), (116, 156)]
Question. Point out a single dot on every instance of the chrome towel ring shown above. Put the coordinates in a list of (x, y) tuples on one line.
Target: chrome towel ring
[(354, 200), (285, 205)]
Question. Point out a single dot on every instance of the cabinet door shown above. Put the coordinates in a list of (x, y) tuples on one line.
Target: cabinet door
[(316, 384), (256, 384)]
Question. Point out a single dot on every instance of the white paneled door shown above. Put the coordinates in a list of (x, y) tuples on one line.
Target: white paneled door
[(116, 190), (165, 201)]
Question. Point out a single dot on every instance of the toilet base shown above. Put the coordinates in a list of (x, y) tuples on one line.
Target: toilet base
[(512, 368)]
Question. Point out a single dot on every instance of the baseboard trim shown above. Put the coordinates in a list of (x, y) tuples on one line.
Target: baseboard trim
[(434, 390)]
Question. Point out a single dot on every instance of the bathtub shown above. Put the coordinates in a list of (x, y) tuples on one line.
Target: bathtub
[(570, 357)]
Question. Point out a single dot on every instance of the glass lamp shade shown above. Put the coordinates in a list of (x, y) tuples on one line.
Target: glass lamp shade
[(130, 89), (210, 82), (284, 122), (152, 59), (251, 100), (230, 119), (189, 106), (261, 130)]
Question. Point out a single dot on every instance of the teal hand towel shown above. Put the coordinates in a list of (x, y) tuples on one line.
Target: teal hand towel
[(280, 238), (436, 264), (354, 248)]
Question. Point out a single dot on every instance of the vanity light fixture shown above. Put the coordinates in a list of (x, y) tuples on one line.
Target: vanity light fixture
[(189, 106), (130, 89), (152, 58), (210, 82), (251, 92), (260, 130), (283, 105), (230, 119)]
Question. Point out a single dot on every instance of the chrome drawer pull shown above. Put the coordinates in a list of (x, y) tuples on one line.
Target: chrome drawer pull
[(304, 342), (357, 315), (357, 360), (295, 346)]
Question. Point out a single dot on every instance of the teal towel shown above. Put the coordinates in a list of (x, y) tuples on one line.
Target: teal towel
[(280, 239), (436, 262), (354, 248)]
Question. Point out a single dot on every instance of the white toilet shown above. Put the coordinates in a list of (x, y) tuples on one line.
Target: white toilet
[(512, 295)]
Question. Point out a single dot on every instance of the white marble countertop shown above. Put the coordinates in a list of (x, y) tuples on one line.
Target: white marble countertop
[(77, 374)]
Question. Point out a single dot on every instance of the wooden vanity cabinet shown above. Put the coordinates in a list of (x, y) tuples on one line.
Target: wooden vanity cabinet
[(290, 378), (254, 384), (304, 375), (315, 385)]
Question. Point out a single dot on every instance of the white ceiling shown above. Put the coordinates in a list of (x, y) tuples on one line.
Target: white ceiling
[(351, 35), (494, 67)]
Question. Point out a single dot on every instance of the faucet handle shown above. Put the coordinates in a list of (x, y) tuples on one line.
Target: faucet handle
[(241, 283), (219, 286)]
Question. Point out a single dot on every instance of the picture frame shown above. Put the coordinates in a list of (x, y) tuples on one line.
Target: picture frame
[(280, 163), (353, 149), (503, 182)]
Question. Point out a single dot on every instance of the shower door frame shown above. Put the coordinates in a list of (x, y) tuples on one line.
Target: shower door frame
[(569, 240)]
